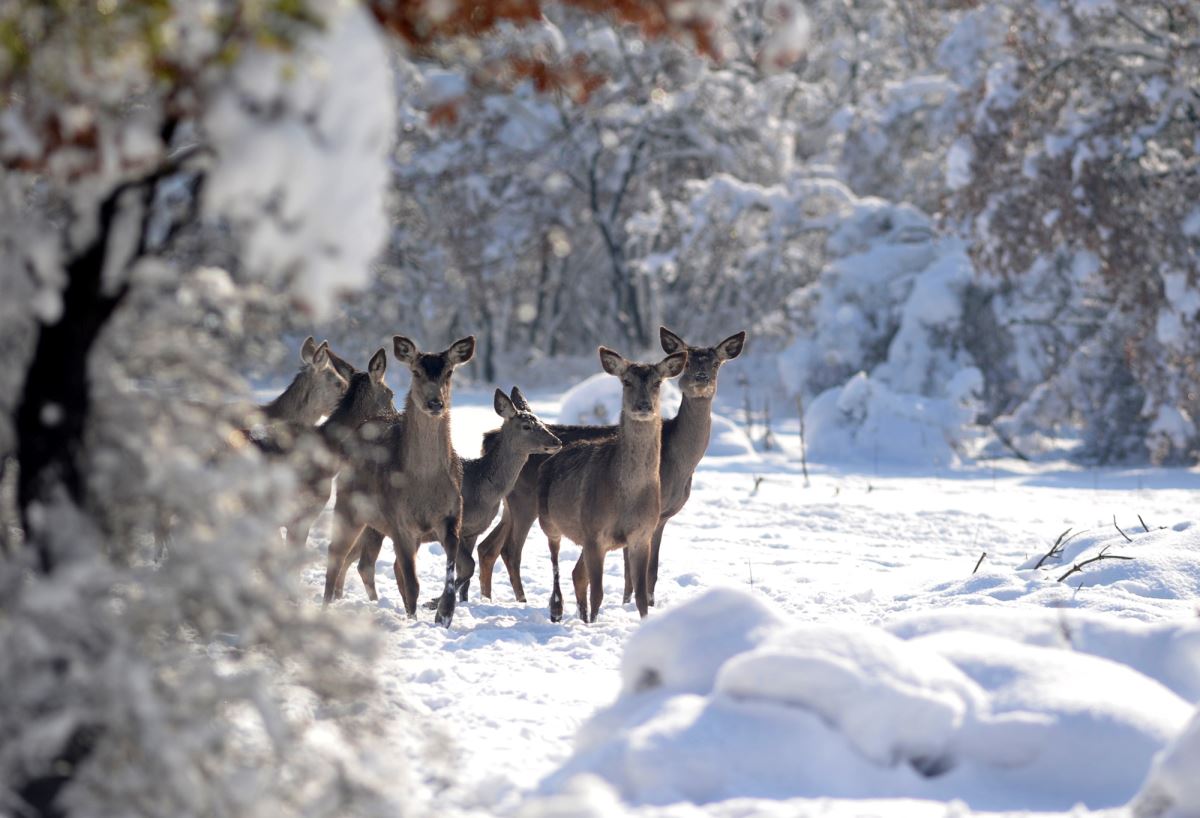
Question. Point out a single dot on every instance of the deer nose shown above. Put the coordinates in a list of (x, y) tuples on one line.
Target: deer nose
[(643, 406), (702, 377), (435, 405)]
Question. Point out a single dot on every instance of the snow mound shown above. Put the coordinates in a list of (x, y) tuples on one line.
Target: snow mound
[(865, 419), (682, 649), (597, 401), (1172, 789), (743, 707), (727, 439)]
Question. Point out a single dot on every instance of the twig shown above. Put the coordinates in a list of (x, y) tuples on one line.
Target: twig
[(1101, 556), (1143, 522), (1008, 443), (1054, 551), (750, 568), (981, 556), (1118, 528), (758, 478), (803, 442)]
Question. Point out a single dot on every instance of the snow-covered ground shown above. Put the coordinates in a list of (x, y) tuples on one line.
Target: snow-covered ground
[(862, 666)]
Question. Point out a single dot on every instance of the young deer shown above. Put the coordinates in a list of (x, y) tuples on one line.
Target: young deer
[(605, 494), (486, 480), (408, 484), (685, 438)]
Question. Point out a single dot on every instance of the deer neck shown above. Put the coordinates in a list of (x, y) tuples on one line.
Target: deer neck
[(639, 447), (498, 470), (426, 440), (690, 431), (292, 403)]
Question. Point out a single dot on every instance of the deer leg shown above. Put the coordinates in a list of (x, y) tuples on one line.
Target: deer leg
[(489, 552), (524, 513), (370, 542), (450, 537), (628, 579), (556, 597), (593, 557), (406, 571), (311, 503), (652, 568), (345, 532), (339, 586), (580, 578), (464, 566), (639, 561)]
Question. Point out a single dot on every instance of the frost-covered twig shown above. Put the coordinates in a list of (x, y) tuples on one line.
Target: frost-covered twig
[(979, 563), (1103, 555)]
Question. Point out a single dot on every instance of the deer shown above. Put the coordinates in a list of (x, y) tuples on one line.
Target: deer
[(407, 484), (367, 398), (605, 494), (313, 393), (486, 480), (685, 438)]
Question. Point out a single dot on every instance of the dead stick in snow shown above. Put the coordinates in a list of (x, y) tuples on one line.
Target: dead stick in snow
[(981, 556), (1054, 551), (1119, 531), (1101, 556), (1143, 522)]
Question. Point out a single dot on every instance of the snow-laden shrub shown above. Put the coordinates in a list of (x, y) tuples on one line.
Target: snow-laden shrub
[(883, 341)]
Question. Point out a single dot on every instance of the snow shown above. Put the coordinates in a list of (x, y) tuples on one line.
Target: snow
[(827, 650), (302, 142), (1172, 789)]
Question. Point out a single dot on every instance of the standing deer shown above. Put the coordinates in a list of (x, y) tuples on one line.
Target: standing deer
[(486, 480), (313, 394), (368, 397), (410, 487), (685, 438), (604, 494)]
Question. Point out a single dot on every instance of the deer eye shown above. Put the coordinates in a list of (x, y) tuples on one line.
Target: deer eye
[(526, 427)]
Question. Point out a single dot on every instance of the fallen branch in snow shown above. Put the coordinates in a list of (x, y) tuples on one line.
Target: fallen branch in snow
[(1056, 549), (1101, 556), (981, 556), (1119, 531), (758, 478), (1143, 522)]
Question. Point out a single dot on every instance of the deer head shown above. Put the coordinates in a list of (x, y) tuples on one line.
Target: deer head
[(521, 426), (322, 383), (700, 376), (430, 390), (640, 382)]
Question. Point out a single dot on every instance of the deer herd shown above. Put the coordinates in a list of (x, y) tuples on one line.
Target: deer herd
[(398, 475)]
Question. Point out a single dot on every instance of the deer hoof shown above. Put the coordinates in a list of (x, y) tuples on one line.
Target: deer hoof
[(445, 610), (431, 605)]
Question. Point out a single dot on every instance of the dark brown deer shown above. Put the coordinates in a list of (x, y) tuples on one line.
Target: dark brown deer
[(486, 480), (685, 438), (409, 485), (604, 494)]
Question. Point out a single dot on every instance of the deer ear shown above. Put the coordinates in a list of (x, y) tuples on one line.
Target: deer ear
[(341, 365), (612, 362), (320, 357), (503, 406), (670, 341), (519, 400), (307, 349), (672, 365), (461, 350), (731, 347), (378, 365), (404, 349)]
